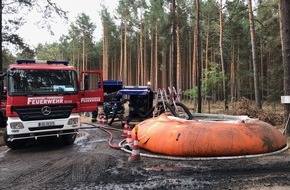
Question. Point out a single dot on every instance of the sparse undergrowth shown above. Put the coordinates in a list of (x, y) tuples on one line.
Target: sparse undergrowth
[(268, 114), (271, 112)]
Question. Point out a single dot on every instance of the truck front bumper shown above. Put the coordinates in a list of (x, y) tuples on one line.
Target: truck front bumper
[(17, 129), (41, 135)]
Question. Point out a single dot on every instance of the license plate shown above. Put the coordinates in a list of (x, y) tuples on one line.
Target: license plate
[(45, 124)]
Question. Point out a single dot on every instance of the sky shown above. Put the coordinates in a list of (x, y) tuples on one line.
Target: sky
[(33, 34)]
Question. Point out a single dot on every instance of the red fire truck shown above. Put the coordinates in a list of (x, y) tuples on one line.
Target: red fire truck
[(46, 98)]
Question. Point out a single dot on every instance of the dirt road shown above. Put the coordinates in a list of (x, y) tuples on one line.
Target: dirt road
[(91, 164)]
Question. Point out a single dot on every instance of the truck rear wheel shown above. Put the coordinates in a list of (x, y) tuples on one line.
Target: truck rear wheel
[(68, 139), (16, 144)]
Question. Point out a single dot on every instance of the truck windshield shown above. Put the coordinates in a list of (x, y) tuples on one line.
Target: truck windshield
[(31, 82)]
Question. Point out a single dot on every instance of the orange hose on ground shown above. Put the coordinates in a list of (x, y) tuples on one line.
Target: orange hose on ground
[(179, 137)]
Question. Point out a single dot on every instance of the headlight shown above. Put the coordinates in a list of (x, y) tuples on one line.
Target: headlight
[(73, 121), (16, 125)]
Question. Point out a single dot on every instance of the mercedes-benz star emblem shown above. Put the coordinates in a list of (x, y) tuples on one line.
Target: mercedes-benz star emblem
[(46, 110)]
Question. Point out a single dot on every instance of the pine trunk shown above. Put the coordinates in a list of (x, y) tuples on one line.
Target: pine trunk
[(222, 57), (198, 59), (83, 67), (178, 61), (233, 81), (141, 55), (238, 74), (254, 57), (285, 33), (125, 71), (156, 58), (174, 65), (121, 54), (152, 61), (164, 68), (105, 53)]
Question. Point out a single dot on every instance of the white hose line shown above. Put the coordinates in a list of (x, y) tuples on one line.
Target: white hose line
[(208, 158)]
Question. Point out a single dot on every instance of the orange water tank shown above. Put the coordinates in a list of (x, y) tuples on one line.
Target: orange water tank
[(199, 138)]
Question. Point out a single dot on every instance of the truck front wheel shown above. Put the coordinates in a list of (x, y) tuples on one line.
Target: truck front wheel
[(13, 144), (68, 139)]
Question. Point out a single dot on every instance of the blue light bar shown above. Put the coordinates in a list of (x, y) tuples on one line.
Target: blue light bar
[(20, 61), (58, 62)]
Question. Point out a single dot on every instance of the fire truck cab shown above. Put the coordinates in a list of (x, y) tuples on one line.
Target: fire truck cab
[(46, 98)]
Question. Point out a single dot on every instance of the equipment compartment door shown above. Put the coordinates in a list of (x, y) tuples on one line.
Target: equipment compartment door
[(91, 91)]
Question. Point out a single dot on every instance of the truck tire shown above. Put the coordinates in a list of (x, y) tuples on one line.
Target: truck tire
[(13, 144), (68, 139)]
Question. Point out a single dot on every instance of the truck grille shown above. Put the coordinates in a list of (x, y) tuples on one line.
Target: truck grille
[(35, 113)]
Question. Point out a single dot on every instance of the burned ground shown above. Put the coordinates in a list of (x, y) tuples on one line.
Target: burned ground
[(92, 164)]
